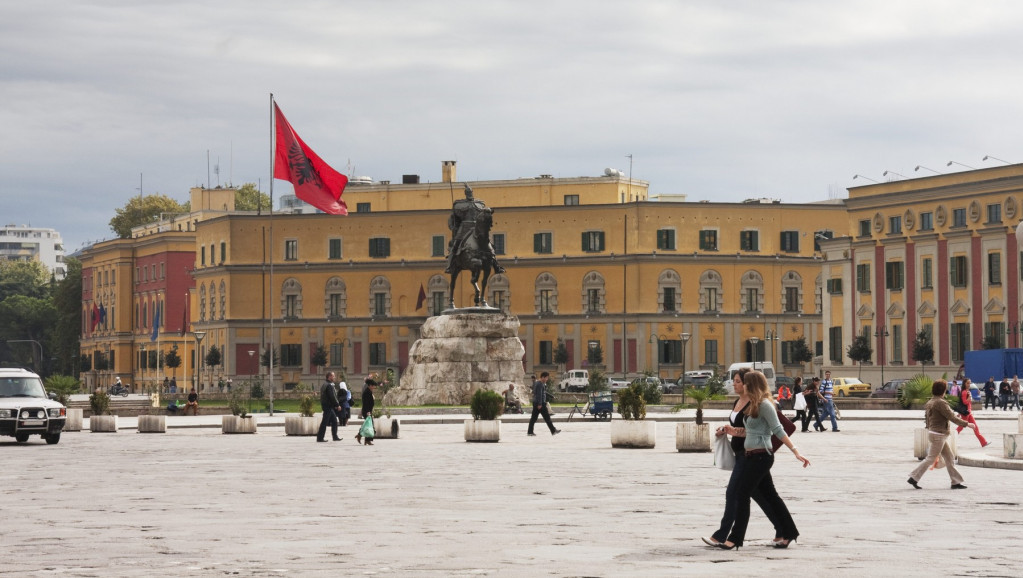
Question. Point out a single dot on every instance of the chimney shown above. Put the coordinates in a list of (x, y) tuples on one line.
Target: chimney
[(447, 171)]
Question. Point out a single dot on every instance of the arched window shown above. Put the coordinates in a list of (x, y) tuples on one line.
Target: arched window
[(499, 292), (752, 298), (594, 296), (669, 292), (291, 299), (145, 314), (792, 292), (335, 299), (202, 303), (380, 297), (213, 302), (223, 300), (437, 294), (712, 299), (546, 294)]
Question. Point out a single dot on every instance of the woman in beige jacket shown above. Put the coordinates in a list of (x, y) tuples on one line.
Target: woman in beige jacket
[(937, 414)]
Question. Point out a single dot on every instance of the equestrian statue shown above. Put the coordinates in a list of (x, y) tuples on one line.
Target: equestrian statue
[(470, 248)]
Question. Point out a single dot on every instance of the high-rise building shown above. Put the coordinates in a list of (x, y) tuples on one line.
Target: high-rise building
[(26, 243)]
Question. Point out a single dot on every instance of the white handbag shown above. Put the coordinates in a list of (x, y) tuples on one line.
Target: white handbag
[(724, 457), (800, 403)]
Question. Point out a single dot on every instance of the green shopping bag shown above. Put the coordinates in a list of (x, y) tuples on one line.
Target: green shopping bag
[(367, 430)]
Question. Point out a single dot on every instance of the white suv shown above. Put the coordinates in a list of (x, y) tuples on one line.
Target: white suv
[(25, 408)]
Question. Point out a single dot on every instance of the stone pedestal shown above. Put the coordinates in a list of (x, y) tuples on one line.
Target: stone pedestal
[(627, 433), (386, 427), (300, 425), (152, 424), (233, 424), (483, 430), (73, 420), (921, 442), (1012, 446), (460, 353), (103, 423), (690, 437)]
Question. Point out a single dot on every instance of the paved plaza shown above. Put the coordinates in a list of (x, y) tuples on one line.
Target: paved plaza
[(194, 502)]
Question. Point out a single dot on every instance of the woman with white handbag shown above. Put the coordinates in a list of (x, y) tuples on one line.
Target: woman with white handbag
[(799, 403)]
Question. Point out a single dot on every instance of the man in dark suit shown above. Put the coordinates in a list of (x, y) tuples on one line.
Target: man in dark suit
[(331, 406), (540, 404)]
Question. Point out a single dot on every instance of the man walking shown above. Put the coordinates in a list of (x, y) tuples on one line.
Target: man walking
[(1003, 394), (1014, 387), (540, 405), (989, 392), (828, 391), (331, 406)]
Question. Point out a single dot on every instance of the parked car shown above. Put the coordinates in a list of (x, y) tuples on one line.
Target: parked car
[(617, 384), (851, 387), (696, 378), (26, 409), (890, 389), (575, 380)]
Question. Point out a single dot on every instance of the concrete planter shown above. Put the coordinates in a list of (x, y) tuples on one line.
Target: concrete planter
[(386, 427), (73, 420), (627, 433), (233, 424), (690, 437), (152, 424), (920, 443), (1012, 446), (103, 423), (1020, 423), (483, 430), (300, 425)]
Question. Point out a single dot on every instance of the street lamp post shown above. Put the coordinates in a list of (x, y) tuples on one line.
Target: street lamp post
[(685, 343), (881, 333), (659, 339), (143, 362), (771, 336), (199, 335), (754, 341), (39, 345), (342, 342)]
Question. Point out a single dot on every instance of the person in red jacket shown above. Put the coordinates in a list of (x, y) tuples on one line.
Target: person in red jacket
[(784, 396), (967, 401)]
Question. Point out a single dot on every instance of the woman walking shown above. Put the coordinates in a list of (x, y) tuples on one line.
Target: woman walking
[(799, 402), (367, 431), (937, 414), (968, 402), (761, 422), (813, 397), (731, 494)]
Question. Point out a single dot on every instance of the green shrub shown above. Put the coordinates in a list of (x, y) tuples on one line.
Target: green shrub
[(257, 389), (486, 404), (63, 386), (915, 391), (651, 392), (699, 395), (631, 403), (598, 381), (99, 402)]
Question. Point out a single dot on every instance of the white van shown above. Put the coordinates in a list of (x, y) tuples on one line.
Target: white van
[(765, 367), (575, 380)]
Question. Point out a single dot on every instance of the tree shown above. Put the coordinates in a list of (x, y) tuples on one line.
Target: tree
[(595, 355), (67, 304), (561, 355), (860, 351), (991, 342), (173, 361), (319, 357), (248, 198), (26, 319), (800, 351), (26, 278), (923, 348), (264, 358), (213, 357), (141, 210)]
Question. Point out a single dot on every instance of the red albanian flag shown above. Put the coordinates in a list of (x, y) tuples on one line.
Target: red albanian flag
[(314, 181)]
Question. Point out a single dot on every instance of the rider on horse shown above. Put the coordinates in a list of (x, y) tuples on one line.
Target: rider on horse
[(462, 222)]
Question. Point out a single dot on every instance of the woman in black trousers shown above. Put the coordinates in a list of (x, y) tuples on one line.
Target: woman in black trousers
[(738, 440)]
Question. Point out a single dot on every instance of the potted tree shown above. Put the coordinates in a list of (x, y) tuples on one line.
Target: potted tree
[(304, 424), (486, 407), (694, 437), (633, 431), (63, 386), (239, 421), (385, 425), (99, 421)]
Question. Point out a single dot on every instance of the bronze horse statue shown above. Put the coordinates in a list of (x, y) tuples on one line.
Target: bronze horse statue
[(471, 249)]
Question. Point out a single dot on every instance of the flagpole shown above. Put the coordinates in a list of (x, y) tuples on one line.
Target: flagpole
[(273, 151)]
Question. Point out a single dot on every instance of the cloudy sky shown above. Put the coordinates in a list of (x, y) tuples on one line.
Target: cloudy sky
[(785, 99)]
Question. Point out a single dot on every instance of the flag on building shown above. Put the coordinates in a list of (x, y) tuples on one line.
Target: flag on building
[(95, 318), (422, 297), (156, 323), (102, 314), (184, 316), (315, 181)]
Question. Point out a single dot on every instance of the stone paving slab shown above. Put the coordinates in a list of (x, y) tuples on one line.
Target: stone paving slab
[(194, 502)]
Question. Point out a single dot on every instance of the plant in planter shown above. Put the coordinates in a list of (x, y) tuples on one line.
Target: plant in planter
[(63, 386), (916, 391), (633, 431), (305, 424), (99, 403), (486, 406), (694, 437)]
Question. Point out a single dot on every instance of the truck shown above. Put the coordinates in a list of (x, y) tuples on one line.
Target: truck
[(997, 363), (575, 380)]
